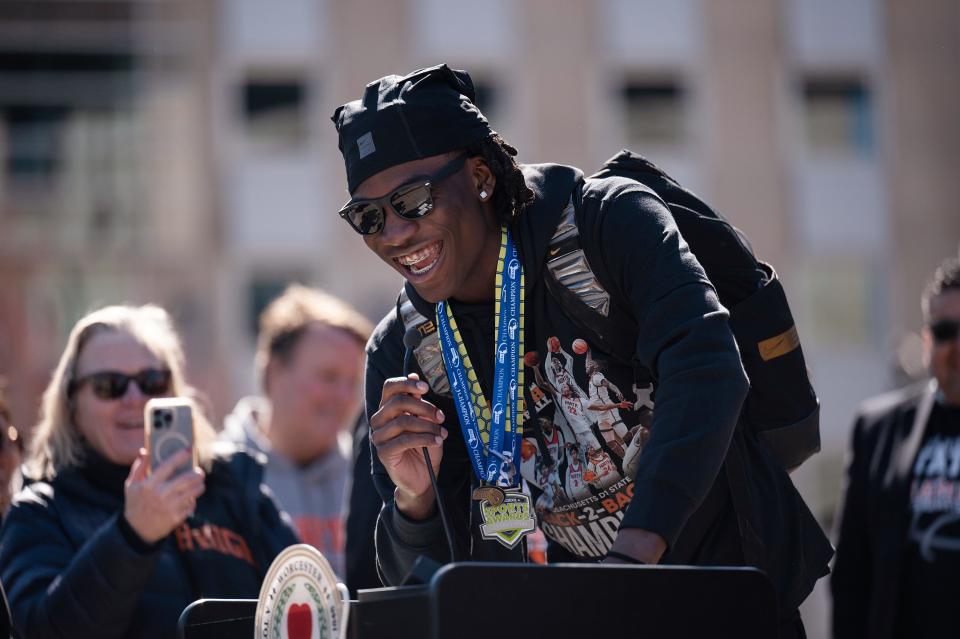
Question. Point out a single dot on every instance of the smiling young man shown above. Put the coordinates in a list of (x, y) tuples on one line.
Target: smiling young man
[(437, 195)]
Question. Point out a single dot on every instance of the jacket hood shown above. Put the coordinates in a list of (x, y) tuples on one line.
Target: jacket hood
[(242, 425)]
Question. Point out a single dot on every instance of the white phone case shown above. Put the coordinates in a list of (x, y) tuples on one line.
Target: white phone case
[(168, 428)]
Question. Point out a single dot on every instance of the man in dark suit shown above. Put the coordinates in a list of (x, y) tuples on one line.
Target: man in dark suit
[(897, 571)]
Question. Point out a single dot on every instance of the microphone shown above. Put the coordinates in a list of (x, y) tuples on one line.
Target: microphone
[(411, 340)]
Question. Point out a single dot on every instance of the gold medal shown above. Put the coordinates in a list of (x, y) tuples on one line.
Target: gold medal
[(509, 521), (489, 493)]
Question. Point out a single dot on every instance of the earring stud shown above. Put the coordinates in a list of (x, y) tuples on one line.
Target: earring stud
[(483, 195)]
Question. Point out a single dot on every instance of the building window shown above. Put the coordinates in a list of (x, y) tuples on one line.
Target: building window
[(838, 115), (54, 112), (263, 289), (34, 149), (655, 112), (275, 110)]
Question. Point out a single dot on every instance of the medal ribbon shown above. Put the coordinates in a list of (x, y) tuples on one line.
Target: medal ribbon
[(492, 437)]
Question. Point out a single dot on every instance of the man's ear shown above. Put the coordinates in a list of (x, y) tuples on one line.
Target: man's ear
[(483, 179), (927, 338)]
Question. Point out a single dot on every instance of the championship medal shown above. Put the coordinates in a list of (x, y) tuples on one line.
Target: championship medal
[(493, 430), (494, 495), (509, 521)]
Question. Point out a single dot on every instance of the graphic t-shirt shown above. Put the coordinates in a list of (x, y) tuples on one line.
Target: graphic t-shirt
[(575, 458), (930, 584)]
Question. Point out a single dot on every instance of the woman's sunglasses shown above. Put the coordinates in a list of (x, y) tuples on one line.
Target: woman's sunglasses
[(945, 330), (410, 201), (152, 382)]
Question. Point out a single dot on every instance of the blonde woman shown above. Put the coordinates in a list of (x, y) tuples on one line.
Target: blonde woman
[(96, 546)]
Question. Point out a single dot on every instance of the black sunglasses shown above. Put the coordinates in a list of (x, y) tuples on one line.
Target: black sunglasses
[(152, 382), (945, 330), (410, 201)]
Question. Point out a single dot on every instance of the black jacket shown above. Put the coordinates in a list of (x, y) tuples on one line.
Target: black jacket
[(684, 346), (875, 512), (72, 568)]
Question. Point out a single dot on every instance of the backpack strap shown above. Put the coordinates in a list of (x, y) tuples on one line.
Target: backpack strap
[(428, 355), (577, 285), (568, 264)]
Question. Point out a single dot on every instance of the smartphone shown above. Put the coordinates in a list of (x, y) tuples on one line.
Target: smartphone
[(168, 429)]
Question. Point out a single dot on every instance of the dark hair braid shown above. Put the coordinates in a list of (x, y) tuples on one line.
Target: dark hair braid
[(511, 194)]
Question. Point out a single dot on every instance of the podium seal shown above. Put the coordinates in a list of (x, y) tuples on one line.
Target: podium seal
[(300, 598)]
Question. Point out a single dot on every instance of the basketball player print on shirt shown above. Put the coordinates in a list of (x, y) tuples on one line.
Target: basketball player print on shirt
[(606, 401), (576, 479), (588, 422), (543, 468), (567, 393)]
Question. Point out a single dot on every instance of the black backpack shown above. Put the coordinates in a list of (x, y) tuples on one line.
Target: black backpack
[(781, 406)]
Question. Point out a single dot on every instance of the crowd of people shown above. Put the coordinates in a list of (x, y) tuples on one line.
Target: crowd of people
[(631, 436), (97, 543)]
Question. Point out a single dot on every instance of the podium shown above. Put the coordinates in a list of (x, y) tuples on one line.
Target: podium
[(217, 618), (472, 600)]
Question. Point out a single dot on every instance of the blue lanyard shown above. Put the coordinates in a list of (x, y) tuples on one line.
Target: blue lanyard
[(492, 436)]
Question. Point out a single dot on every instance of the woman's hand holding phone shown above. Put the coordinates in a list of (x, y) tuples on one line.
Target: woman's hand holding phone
[(157, 502)]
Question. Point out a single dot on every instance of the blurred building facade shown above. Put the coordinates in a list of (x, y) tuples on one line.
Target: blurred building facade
[(105, 191), (181, 152)]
